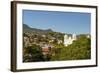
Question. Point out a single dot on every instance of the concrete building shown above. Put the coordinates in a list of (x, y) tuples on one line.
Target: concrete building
[(69, 39)]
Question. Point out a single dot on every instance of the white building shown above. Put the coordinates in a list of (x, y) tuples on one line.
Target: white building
[(69, 39), (88, 36)]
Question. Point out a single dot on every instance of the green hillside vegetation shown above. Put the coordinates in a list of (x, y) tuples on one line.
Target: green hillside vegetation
[(80, 49)]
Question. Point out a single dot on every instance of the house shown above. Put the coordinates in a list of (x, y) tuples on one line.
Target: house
[(46, 50), (60, 41), (26, 41)]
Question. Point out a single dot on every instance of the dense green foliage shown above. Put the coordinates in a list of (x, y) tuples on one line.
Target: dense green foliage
[(32, 54), (80, 49)]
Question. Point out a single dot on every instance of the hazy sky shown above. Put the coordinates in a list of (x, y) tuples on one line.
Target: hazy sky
[(66, 22)]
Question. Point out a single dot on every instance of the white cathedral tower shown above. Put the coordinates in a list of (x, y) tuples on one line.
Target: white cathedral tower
[(69, 39)]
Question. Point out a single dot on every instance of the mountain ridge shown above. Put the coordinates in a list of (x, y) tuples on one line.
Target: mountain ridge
[(26, 28)]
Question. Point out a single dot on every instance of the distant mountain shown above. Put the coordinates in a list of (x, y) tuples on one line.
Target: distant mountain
[(26, 28)]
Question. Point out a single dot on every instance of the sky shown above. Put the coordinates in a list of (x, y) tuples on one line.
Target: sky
[(65, 22)]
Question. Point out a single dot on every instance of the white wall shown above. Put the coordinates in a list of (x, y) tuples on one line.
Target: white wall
[(5, 37)]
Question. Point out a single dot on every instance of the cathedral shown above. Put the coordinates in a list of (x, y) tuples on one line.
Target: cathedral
[(69, 39)]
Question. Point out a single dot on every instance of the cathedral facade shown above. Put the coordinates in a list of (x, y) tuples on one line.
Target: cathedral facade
[(69, 39)]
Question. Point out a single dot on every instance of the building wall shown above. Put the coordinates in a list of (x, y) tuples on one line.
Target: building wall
[(69, 39)]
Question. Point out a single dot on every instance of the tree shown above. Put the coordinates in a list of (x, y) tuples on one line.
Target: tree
[(33, 54)]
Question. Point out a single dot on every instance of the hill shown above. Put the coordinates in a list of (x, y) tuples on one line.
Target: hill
[(26, 28)]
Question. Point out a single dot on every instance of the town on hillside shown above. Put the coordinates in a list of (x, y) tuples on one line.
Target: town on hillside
[(47, 44)]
